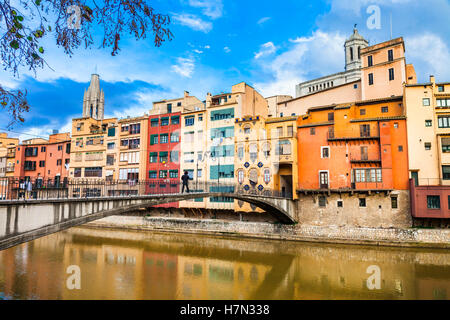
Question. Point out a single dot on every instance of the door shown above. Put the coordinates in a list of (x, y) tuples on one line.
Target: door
[(364, 153), (365, 130), (415, 176), (323, 180)]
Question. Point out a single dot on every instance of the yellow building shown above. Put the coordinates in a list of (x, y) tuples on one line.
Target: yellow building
[(266, 157), (428, 126), (5, 143)]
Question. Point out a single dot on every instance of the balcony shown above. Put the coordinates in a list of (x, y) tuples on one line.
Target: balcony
[(11, 154), (354, 135), (10, 169), (364, 159)]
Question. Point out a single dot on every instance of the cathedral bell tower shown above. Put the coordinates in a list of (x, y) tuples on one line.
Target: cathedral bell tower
[(353, 46), (94, 100)]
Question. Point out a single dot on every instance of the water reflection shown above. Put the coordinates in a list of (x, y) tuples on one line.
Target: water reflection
[(138, 265)]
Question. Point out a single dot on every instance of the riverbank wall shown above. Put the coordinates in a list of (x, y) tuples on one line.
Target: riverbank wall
[(432, 238)]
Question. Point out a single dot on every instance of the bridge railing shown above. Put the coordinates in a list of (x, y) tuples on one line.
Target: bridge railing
[(41, 189)]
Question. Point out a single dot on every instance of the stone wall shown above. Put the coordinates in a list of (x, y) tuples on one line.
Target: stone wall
[(331, 234), (378, 212)]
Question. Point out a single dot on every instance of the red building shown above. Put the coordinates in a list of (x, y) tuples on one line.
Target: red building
[(39, 158), (163, 162)]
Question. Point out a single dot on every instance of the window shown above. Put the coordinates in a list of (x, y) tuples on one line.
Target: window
[(322, 201), (279, 131), (164, 138), (189, 121), (362, 202), (266, 149), (266, 175), (362, 112), (444, 121), (111, 132), (400, 148), (395, 125), (384, 109), (441, 88), (222, 114), (370, 79), (43, 149), (427, 145), (154, 122), (162, 174), (31, 152), (312, 131), (240, 176), (443, 103), (199, 173), (200, 117), (153, 157), (364, 153), (351, 54), (391, 55), (240, 152), (110, 159), (41, 164), (325, 152), (175, 120), (446, 172), (67, 161), (165, 121), (111, 145), (93, 172), (152, 174), (331, 116), (77, 173), (364, 130), (174, 137), (173, 174), (433, 202), (367, 175), (153, 139), (445, 142), (290, 131), (283, 147), (253, 150), (391, 74), (369, 61), (340, 203), (58, 162), (394, 202), (189, 157), (426, 102), (174, 156), (428, 123), (247, 129), (355, 86), (163, 156), (189, 137), (169, 109)]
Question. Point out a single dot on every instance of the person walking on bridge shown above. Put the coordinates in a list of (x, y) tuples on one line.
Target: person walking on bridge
[(185, 179)]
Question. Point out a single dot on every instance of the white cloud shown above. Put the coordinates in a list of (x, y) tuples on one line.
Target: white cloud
[(193, 22), (430, 55), (184, 67), (198, 51), (304, 58), (211, 8), (266, 49), (227, 50), (207, 47), (262, 20)]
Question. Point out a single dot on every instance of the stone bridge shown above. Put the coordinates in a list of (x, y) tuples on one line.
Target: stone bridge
[(25, 220)]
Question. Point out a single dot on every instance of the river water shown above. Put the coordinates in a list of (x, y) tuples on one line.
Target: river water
[(145, 265)]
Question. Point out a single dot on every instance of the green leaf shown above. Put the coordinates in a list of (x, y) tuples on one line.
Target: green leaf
[(14, 44), (49, 28), (41, 50), (35, 56), (13, 12), (30, 38), (38, 2), (20, 18)]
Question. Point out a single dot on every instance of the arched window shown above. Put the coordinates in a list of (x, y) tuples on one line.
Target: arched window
[(351, 54), (253, 176), (247, 129), (266, 149), (359, 53), (240, 151), (266, 175), (253, 149), (240, 176)]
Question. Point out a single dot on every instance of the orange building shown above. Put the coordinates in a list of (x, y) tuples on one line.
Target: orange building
[(352, 164), (39, 158)]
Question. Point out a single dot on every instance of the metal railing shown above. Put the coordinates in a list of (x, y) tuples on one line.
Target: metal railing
[(44, 189)]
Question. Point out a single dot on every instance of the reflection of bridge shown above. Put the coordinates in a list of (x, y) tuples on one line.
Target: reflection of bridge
[(25, 220)]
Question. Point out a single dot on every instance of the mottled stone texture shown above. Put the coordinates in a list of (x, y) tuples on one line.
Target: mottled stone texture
[(378, 212), (371, 236)]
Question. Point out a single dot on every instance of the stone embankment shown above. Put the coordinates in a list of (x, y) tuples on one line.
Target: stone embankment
[(433, 238)]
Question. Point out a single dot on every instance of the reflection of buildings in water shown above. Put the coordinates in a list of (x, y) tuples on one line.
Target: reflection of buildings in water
[(341, 273), (107, 271), (160, 275), (432, 282), (203, 278)]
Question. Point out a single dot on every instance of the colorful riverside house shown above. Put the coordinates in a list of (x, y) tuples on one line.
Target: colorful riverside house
[(353, 164), (428, 114), (222, 109), (44, 159), (193, 155), (266, 157), (6, 143), (164, 145)]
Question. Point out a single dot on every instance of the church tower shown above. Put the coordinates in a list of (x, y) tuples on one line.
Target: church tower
[(94, 99), (353, 46)]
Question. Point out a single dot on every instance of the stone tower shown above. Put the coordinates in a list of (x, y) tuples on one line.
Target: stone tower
[(94, 99), (353, 46)]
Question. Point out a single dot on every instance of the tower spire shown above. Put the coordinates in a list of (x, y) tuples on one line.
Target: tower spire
[(93, 100)]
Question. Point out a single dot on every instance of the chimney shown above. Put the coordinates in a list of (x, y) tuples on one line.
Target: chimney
[(186, 94), (432, 79)]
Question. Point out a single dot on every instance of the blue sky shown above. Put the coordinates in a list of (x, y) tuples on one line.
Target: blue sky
[(218, 43)]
